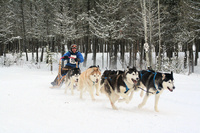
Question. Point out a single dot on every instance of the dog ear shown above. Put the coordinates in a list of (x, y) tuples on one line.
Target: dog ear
[(172, 75), (127, 69), (134, 68), (163, 76)]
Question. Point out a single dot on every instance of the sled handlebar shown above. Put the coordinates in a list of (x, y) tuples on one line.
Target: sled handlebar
[(72, 57)]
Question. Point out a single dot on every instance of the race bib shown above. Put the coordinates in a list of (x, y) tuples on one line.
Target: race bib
[(72, 61)]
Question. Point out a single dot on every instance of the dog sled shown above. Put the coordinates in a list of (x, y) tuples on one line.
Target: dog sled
[(61, 77)]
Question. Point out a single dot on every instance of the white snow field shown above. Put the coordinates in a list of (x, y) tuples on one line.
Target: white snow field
[(28, 105)]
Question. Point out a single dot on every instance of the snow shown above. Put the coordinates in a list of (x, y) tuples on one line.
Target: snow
[(28, 105)]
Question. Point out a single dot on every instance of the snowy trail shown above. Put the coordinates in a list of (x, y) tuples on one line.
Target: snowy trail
[(27, 104)]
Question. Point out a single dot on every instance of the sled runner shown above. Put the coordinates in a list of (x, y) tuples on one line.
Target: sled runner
[(61, 77)]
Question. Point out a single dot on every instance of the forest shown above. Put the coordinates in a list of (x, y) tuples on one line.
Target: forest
[(139, 28)]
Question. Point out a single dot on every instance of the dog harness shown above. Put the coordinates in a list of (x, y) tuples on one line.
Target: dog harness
[(155, 73), (144, 73), (127, 89), (154, 82)]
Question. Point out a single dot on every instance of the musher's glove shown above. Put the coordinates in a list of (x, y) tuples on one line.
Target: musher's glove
[(65, 57), (77, 59)]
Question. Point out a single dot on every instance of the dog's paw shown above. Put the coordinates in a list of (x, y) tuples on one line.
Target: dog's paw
[(127, 101), (81, 97), (140, 106), (114, 107), (156, 109), (121, 100)]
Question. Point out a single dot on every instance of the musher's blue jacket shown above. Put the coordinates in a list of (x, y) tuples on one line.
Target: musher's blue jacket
[(71, 62)]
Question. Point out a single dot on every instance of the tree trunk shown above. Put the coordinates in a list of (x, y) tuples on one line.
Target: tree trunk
[(37, 48), (95, 43), (114, 63), (191, 59), (176, 54), (185, 57), (141, 53), (53, 44), (146, 45), (103, 45), (1, 49), (4, 53), (196, 51), (42, 53), (131, 54), (87, 36), (32, 48), (150, 33), (86, 51), (160, 47), (122, 51), (24, 29)]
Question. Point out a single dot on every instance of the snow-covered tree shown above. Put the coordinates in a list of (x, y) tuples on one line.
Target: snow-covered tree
[(106, 23)]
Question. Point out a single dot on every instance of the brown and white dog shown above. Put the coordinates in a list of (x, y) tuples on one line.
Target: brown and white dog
[(89, 80)]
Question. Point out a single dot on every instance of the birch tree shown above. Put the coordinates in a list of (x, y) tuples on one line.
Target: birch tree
[(159, 34), (146, 45)]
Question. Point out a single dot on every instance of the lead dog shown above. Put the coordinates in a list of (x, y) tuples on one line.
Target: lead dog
[(155, 83), (71, 79), (120, 85), (89, 80)]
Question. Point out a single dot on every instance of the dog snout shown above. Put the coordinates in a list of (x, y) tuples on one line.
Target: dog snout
[(173, 87), (137, 79)]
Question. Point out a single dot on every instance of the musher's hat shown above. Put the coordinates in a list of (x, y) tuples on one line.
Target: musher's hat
[(74, 46)]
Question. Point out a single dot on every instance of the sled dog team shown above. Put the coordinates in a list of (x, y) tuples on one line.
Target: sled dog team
[(120, 85)]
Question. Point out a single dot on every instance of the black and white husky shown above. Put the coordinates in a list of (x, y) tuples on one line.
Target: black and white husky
[(119, 85), (71, 79), (155, 83), (109, 73)]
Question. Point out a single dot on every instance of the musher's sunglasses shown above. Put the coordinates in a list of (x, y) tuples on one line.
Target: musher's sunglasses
[(74, 47)]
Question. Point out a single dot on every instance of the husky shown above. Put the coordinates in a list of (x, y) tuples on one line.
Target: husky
[(120, 85), (140, 85), (109, 73), (89, 80), (155, 83), (71, 79)]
